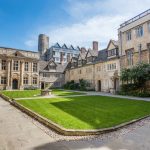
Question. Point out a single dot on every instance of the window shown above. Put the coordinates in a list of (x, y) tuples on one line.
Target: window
[(53, 53), (3, 80), (3, 64), (112, 52), (129, 57), (25, 80), (149, 26), (34, 67), (111, 66), (34, 81), (139, 31), (16, 65), (128, 35), (26, 66)]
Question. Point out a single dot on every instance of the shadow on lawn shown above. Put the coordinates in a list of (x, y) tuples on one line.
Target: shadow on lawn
[(94, 111)]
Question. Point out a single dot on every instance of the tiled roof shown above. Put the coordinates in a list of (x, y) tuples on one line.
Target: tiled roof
[(93, 52), (102, 56), (59, 67)]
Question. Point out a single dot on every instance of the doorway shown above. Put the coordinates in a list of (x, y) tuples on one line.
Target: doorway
[(42, 85), (15, 84), (99, 85), (116, 84)]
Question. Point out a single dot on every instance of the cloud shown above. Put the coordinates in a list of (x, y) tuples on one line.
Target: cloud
[(93, 20), (31, 43)]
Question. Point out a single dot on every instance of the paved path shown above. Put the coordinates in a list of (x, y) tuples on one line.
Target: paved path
[(90, 93), (18, 132)]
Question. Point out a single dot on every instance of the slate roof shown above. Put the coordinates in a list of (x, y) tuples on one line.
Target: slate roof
[(93, 52), (102, 56), (59, 67)]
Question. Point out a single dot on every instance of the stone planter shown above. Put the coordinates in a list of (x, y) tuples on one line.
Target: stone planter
[(46, 92)]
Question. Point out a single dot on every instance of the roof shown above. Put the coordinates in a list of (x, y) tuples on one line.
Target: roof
[(83, 55), (93, 52), (18, 49), (102, 55), (59, 67)]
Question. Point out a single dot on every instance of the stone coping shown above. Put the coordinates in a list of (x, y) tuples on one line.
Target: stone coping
[(67, 132)]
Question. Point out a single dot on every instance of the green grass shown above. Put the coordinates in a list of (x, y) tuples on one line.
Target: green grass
[(88, 112), (21, 94), (33, 93)]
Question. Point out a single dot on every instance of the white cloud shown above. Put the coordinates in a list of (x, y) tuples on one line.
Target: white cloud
[(95, 20), (31, 43)]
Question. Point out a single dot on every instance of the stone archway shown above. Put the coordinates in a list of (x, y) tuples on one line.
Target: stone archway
[(15, 84)]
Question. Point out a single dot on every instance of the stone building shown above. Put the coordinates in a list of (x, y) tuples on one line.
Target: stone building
[(60, 54), (51, 74), (134, 40), (18, 68), (99, 68)]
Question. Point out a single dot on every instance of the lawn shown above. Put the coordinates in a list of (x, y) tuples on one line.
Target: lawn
[(21, 94), (88, 112), (33, 93)]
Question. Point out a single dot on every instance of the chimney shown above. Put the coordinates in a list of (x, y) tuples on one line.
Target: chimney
[(95, 45)]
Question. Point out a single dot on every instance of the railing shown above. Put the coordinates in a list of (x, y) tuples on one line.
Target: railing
[(147, 12)]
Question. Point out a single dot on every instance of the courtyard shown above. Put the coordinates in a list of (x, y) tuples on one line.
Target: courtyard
[(76, 110)]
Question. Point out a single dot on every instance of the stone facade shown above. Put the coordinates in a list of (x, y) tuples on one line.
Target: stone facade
[(18, 69), (99, 68), (134, 40), (51, 74)]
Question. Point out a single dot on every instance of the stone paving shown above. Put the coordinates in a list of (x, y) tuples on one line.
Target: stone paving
[(20, 132)]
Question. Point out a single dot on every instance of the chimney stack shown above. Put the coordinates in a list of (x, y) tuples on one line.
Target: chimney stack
[(95, 45)]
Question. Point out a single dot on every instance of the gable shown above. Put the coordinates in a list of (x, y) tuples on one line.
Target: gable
[(57, 45), (18, 54), (111, 46), (64, 46), (88, 54)]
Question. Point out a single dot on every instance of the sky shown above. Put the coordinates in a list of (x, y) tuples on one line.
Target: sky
[(76, 22)]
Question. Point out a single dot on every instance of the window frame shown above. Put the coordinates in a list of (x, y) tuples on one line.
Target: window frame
[(16, 65), (3, 80), (4, 65)]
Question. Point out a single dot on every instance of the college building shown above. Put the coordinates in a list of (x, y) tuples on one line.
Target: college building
[(54, 66), (101, 69)]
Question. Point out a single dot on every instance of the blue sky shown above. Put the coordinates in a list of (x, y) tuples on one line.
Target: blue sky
[(76, 22)]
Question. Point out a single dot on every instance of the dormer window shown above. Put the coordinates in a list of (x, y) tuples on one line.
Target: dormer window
[(112, 52), (52, 67)]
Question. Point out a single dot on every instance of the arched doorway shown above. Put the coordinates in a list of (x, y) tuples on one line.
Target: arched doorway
[(99, 85), (15, 84)]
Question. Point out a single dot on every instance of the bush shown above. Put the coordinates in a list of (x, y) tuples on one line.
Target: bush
[(82, 85)]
